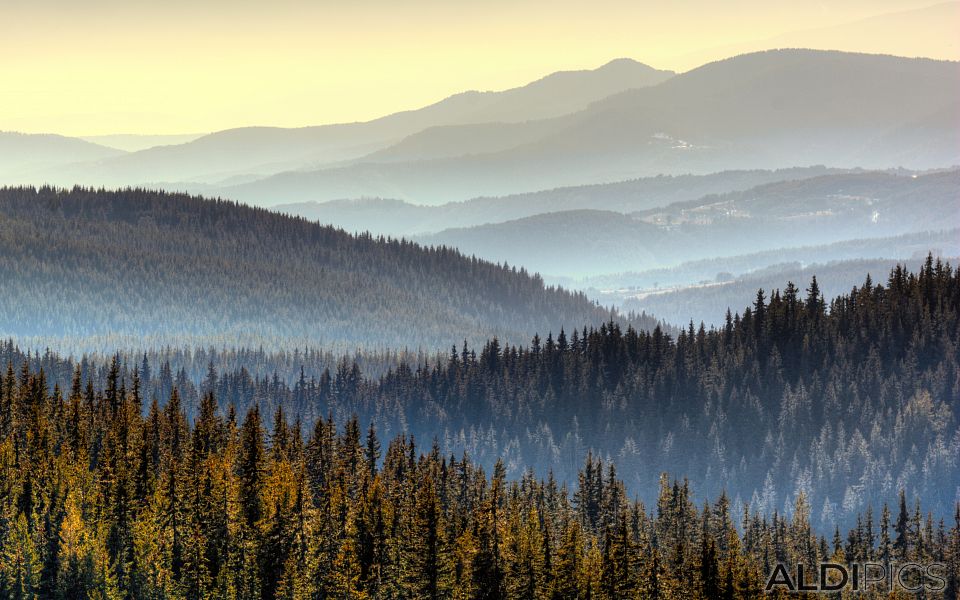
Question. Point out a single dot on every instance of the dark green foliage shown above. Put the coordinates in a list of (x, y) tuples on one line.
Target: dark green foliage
[(154, 268), (227, 514), (841, 400)]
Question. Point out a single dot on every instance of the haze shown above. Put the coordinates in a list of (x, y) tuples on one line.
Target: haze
[(111, 67)]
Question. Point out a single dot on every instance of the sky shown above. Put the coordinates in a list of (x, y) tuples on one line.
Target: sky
[(187, 66)]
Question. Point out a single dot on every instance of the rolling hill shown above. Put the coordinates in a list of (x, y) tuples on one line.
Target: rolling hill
[(84, 269), (133, 142), (613, 288), (771, 109), (820, 210), (22, 155), (399, 218), (708, 303)]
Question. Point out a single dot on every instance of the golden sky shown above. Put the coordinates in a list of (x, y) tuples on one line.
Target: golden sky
[(179, 66)]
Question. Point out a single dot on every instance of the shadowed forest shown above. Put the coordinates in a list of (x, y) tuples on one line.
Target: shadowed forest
[(752, 407)]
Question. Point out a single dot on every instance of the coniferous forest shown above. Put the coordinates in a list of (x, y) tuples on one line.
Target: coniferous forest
[(447, 478), (90, 269), (428, 300)]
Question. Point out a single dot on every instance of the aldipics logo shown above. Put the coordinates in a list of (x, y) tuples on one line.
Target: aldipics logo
[(910, 577)]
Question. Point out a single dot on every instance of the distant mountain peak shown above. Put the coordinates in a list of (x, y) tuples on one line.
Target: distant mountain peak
[(618, 67), (623, 60), (627, 63), (622, 66), (777, 55)]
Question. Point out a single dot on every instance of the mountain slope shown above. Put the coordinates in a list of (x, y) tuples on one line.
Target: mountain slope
[(795, 377), (266, 150), (819, 210), (932, 28), (613, 288), (708, 303), (133, 142), (572, 243), (764, 110), (23, 154), (150, 268), (399, 218), (886, 200)]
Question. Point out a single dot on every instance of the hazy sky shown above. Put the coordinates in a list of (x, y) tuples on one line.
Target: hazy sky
[(178, 66)]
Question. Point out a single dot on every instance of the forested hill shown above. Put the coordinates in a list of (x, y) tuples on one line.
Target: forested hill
[(84, 269), (843, 402)]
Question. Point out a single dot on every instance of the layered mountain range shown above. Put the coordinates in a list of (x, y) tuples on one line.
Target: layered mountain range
[(773, 109), (591, 177)]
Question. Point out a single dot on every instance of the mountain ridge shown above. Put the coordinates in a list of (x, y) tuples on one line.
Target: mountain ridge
[(818, 210), (265, 150), (141, 267), (771, 109), (24, 153), (391, 216)]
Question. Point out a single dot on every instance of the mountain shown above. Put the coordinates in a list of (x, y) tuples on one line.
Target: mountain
[(399, 218), (252, 151), (881, 203), (819, 210), (490, 127), (572, 242), (132, 142), (707, 303), (933, 33), (89, 269), (22, 154), (560, 93), (773, 109), (614, 288)]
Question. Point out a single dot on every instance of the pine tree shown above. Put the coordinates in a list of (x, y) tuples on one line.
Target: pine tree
[(901, 545), (21, 564), (429, 561), (371, 453), (709, 574), (487, 565), (885, 550), (250, 475), (567, 570), (525, 554)]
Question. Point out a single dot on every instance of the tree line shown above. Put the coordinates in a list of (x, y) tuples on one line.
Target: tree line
[(846, 401), (87, 270), (103, 497)]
